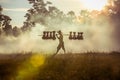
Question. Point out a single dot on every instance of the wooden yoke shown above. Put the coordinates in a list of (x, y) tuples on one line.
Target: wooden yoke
[(51, 35)]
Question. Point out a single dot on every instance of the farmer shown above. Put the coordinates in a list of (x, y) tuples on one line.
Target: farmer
[(61, 42)]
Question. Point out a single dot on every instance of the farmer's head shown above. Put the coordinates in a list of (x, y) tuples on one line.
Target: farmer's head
[(59, 32)]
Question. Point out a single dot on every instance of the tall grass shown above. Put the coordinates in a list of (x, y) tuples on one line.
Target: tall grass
[(87, 66)]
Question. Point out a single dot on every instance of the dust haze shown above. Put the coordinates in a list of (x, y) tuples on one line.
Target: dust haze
[(98, 35)]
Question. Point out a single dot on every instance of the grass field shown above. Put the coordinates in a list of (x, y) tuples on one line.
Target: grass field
[(86, 66)]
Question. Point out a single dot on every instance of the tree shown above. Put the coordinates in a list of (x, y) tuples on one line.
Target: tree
[(16, 31), (114, 13), (1, 9), (47, 15), (5, 23), (5, 26), (70, 16), (1, 16)]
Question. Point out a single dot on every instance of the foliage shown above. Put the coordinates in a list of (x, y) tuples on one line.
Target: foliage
[(46, 14), (5, 27)]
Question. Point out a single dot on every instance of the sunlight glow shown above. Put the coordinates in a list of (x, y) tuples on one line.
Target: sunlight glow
[(94, 4), (30, 67)]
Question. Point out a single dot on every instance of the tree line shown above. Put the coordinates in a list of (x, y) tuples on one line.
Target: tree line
[(46, 14), (5, 27)]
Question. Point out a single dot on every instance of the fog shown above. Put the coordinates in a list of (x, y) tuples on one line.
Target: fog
[(97, 33), (96, 38)]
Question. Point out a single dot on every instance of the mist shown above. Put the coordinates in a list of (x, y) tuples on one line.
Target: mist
[(96, 38), (97, 33)]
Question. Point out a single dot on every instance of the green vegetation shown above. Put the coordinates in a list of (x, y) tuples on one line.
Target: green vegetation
[(87, 66)]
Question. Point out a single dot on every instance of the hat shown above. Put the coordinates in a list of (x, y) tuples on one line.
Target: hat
[(59, 31)]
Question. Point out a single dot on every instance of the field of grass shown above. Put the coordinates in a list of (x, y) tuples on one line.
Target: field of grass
[(86, 66)]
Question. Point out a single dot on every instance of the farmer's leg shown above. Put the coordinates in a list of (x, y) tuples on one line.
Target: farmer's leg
[(58, 48), (63, 47)]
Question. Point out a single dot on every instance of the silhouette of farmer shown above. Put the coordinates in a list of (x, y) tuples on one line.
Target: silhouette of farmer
[(61, 42)]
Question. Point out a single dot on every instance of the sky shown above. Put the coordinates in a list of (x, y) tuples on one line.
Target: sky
[(16, 9)]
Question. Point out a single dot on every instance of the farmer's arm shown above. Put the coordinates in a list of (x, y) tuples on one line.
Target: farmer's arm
[(57, 36)]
